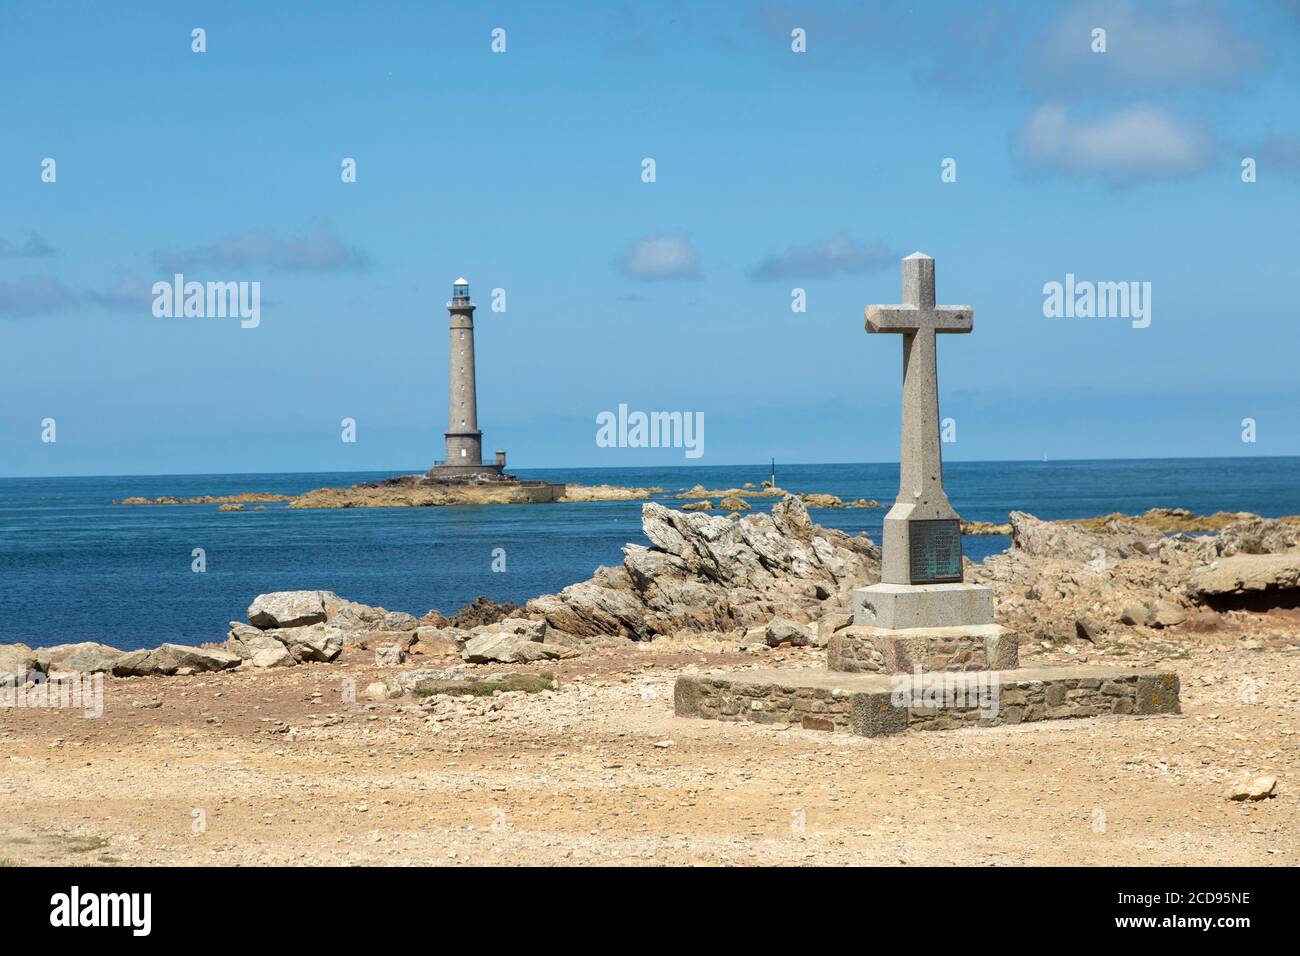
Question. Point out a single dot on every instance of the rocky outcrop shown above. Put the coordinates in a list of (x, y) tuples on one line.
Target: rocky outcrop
[(482, 610), (87, 657), (709, 573), (1246, 574), (287, 609), (168, 659), (514, 641)]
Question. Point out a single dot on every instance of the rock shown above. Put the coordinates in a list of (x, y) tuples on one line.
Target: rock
[(732, 503), (374, 639), (1261, 788), (1166, 614), (482, 610), (702, 505), (1136, 615), (376, 691), (818, 500), (1255, 535), (168, 659), (389, 655), (287, 609), (316, 642), (1246, 574), (780, 631), (435, 641), (277, 656), (707, 573), (513, 641), (87, 657), (828, 624), (1086, 629), (246, 641), (16, 660)]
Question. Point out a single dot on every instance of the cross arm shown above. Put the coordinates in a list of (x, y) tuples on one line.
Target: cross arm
[(909, 318)]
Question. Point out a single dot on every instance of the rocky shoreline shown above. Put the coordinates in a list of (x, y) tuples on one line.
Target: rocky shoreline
[(762, 581)]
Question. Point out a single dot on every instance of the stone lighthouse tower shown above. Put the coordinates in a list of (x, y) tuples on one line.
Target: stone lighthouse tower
[(464, 451)]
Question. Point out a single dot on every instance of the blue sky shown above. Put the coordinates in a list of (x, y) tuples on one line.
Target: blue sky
[(522, 170)]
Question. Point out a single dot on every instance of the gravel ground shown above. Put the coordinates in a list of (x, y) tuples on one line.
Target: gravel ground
[(278, 767)]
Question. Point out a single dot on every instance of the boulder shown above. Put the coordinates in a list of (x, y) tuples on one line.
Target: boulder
[(277, 656), (1136, 615), (1260, 788), (435, 641), (1166, 614), (829, 623), (374, 639), (1246, 574), (16, 659), (287, 609), (513, 641), (246, 641), (316, 642), (702, 505), (88, 657), (482, 610), (732, 503), (169, 658), (389, 655), (781, 631)]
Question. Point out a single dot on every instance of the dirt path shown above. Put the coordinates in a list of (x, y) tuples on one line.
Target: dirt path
[(252, 768)]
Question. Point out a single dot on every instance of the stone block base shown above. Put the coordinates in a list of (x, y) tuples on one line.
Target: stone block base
[(871, 705), (882, 651), (900, 606)]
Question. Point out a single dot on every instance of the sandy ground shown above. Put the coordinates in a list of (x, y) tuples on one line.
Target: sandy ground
[(277, 768)]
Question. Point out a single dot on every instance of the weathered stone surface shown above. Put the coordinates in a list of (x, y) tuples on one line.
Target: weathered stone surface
[(780, 631), (875, 704), (513, 641), (1246, 574), (86, 657), (901, 606), (167, 659), (389, 655), (316, 642), (16, 659), (709, 573), (246, 641), (435, 641), (287, 609), (859, 649), (1260, 788), (277, 656)]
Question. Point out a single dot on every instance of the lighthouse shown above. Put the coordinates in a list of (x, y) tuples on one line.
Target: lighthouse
[(464, 442)]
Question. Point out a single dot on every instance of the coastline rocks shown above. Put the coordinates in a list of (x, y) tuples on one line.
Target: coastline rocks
[(287, 609), (172, 658), (482, 610), (703, 504), (1243, 574), (708, 573), (88, 657), (780, 631), (277, 656), (514, 641), (315, 642), (733, 503), (435, 641), (15, 660)]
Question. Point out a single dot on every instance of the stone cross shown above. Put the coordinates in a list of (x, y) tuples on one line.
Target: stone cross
[(922, 541)]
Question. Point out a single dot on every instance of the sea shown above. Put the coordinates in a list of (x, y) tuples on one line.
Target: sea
[(76, 567)]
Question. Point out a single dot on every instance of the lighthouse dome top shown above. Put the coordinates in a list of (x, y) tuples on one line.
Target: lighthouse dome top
[(462, 281)]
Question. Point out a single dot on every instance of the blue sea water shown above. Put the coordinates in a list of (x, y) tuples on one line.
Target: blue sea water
[(76, 567)]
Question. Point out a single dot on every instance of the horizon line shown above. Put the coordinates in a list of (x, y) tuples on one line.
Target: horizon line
[(799, 464)]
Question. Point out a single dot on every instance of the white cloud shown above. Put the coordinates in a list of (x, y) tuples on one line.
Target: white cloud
[(131, 293), (838, 255), (1138, 142), (1182, 42), (318, 250), (666, 255), (34, 295)]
